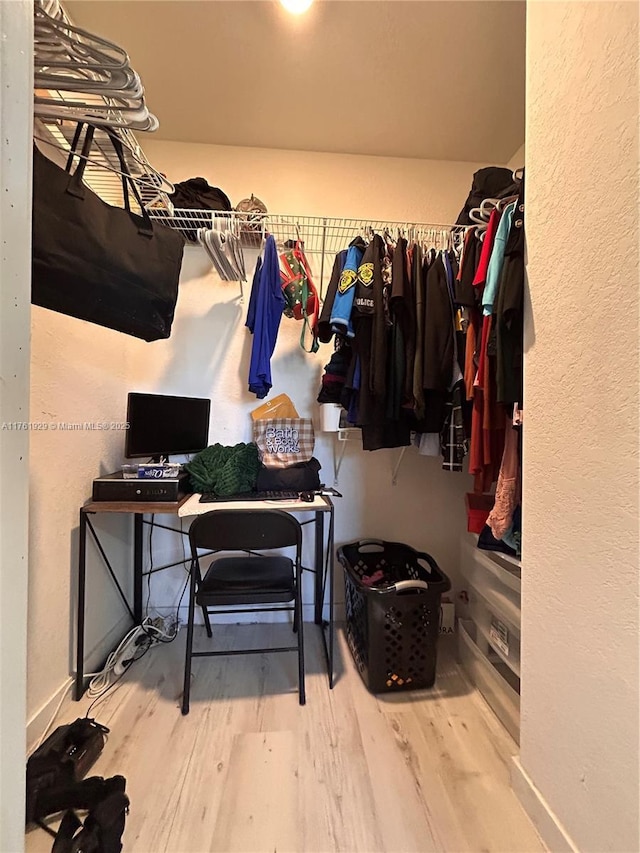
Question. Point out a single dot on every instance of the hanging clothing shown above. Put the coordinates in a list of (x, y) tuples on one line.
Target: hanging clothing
[(253, 298), (335, 374), (325, 332), (453, 438), (490, 182), (346, 290), (508, 487), (510, 312), (438, 330), (466, 294), (265, 320), (418, 275), (494, 271), (402, 342), (487, 248), (371, 320)]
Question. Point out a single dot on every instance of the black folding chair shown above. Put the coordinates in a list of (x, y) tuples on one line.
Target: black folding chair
[(245, 580)]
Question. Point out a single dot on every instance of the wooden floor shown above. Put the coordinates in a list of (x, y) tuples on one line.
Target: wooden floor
[(251, 770)]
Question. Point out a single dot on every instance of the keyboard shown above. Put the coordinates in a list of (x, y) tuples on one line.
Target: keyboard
[(250, 496)]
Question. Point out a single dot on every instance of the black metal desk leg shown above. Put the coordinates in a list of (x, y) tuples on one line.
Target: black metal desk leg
[(319, 568), (331, 571), (137, 567), (82, 591)]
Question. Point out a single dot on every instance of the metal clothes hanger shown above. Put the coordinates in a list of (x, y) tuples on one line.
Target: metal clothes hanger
[(149, 179), (68, 59), (56, 33), (505, 202)]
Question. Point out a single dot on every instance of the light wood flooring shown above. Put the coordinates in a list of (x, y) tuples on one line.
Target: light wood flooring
[(250, 770)]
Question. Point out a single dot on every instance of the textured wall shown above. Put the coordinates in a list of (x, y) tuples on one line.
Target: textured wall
[(82, 373), (579, 738)]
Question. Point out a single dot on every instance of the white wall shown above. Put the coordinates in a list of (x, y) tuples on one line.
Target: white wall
[(580, 688), (82, 373), (323, 184), (16, 83), (518, 158), (208, 353)]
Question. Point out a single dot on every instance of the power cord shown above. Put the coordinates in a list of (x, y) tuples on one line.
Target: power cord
[(167, 638), (149, 633), (143, 636)]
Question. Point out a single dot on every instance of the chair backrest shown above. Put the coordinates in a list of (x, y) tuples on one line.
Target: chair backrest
[(244, 530)]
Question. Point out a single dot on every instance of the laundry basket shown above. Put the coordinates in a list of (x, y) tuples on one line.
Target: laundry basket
[(392, 629)]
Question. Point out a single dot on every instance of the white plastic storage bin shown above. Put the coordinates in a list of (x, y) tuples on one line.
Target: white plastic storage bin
[(497, 619), (493, 678), (481, 566)]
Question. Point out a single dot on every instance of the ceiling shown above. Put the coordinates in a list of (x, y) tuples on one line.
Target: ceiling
[(434, 79)]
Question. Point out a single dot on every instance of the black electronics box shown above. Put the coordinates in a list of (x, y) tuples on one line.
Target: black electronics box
[(114, 487)]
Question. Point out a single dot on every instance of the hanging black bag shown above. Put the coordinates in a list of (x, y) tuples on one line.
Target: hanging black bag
[(100, 263)]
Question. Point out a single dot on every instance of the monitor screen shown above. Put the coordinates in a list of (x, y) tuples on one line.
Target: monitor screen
[(160, 425)]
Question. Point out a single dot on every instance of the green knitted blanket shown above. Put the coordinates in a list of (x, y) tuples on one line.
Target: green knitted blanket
[(224, 470)]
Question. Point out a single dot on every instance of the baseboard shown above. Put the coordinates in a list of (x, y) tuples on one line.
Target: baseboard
[(553, 834), (37, 724), (94, 657)]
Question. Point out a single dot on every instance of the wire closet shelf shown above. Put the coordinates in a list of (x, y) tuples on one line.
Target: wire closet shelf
[(320, 234)]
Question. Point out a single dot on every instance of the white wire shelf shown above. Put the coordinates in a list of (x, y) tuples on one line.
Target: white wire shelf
[(320, 234)]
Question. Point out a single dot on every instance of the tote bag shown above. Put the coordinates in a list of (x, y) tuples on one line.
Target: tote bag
[(101, 263), (284, 441), (300, 294)]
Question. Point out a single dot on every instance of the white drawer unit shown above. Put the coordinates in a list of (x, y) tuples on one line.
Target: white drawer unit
[(497, 621), (493, 678), (480, 566), (489, 640)]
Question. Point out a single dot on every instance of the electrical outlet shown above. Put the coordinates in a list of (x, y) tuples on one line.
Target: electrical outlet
[(127, 653)]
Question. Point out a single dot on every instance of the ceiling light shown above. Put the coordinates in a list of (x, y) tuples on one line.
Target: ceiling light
[(296, 7)]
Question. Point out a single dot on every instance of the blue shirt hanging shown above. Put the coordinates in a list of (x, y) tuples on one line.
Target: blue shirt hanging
[(343, 303), (268, 304)]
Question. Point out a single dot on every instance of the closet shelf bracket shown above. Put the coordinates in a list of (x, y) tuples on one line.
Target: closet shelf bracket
[(396, 468), (342, 437)]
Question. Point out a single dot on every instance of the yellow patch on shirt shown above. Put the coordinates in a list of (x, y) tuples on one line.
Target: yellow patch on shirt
[(347, 280), (365, 274)]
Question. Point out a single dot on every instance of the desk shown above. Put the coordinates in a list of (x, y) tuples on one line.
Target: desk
[(190, 506)]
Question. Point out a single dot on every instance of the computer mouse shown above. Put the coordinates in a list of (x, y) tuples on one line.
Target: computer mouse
[(307, 497)]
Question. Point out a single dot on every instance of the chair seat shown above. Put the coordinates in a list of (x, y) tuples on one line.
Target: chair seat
[(247, 580)]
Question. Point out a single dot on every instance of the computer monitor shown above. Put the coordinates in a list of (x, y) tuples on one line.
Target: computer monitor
[(160, 425)]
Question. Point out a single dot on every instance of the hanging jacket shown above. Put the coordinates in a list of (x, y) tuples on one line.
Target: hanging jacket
[(419, 294), (509, 308), (269, 304), (438, 330), (401, 331), (325, 332), (490, 182), (343, 302)]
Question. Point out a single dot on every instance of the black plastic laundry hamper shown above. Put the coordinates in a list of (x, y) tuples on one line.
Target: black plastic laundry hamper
[(392, 630)]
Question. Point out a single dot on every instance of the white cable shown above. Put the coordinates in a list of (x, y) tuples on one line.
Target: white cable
[(102, 680)]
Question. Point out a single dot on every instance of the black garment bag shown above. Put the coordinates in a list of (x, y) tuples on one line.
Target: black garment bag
[(100, 263)]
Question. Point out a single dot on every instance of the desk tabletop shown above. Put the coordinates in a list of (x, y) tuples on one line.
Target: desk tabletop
[(192, 506), (136, 507)]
